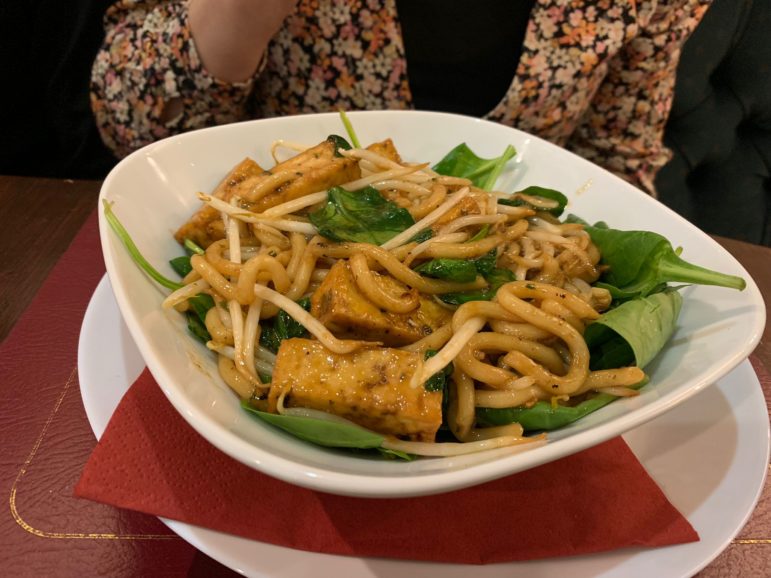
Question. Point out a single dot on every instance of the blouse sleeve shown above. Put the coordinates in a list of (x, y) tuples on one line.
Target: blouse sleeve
[(148, 59), (623, 128)]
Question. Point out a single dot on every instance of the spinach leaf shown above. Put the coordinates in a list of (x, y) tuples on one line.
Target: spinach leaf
[(571, 218), (543, 416), (634, 332), (481, 234), (320, 432), (545, 193), (458, 270), (461, 270), (133, 250), (423, 235), (181, 265), (465, 271), (396, 454), (495, 278), (485, 265), (438, 381), (196, 316), (201, 304), (642, 262), (340, 143), (197, 327), (363, 216), (283, 327), (462, 162)]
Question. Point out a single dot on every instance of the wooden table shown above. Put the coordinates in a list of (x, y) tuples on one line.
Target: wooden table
[(39, 217)]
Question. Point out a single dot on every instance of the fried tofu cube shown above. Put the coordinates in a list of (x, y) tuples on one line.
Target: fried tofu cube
[(311, 171), (370, 387), (308, 172), (386, 149), (347, 312), (201, 227), (467, 206)]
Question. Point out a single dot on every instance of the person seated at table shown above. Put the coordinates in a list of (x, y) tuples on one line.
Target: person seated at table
[(595, 77)]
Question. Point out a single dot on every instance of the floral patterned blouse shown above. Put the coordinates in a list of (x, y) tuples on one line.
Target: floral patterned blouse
[(595, 76)]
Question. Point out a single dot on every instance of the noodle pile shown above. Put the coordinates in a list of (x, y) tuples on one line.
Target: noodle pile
[(525, 344)]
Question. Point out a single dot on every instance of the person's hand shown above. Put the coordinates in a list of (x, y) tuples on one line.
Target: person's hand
[(231, 35)]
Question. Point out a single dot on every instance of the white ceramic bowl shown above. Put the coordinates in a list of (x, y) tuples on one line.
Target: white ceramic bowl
[(153, 191)]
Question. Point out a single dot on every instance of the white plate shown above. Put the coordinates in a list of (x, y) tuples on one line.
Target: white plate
[(154, 192), (709, 455)]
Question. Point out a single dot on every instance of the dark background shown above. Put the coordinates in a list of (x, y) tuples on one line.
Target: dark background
[(720, 125), (719, 129), (46, 50)]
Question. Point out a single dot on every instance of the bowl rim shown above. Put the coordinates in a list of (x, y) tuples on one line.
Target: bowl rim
[(424, 483)]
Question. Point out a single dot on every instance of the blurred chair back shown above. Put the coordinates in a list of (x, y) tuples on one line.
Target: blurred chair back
[(720, 125)]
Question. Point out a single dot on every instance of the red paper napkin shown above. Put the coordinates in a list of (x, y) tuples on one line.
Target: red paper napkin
[(149, 459)]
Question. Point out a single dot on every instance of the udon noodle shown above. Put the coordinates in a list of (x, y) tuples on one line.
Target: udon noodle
[(263, 254)]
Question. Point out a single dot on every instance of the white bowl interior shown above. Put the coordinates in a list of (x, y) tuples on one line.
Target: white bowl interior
[(153, 192)]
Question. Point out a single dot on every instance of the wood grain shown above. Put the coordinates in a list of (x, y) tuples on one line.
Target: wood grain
[(38, 220), (757, 261)]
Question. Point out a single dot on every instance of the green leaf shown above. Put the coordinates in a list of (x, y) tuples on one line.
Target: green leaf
[(320, 432), (641, 262), (396, 454), (423, 235), (542, 416), (611, 351), (438, 381), (196, 327), (549, 194), (572, 218), (485, 265), (463, 162), (181, 265), (450, 269), (481, 234), (201, 304), (283, 327), (462, 270), (196, 318), (136, 256), (495, 278), (340, 143), (634, 332), (362, 216)]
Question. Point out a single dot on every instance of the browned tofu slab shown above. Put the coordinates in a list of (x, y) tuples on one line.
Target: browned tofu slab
[(347, 312), (370, 387), (314, 170), (311, 171), (467, 206), (387, 149), (200, 227)]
